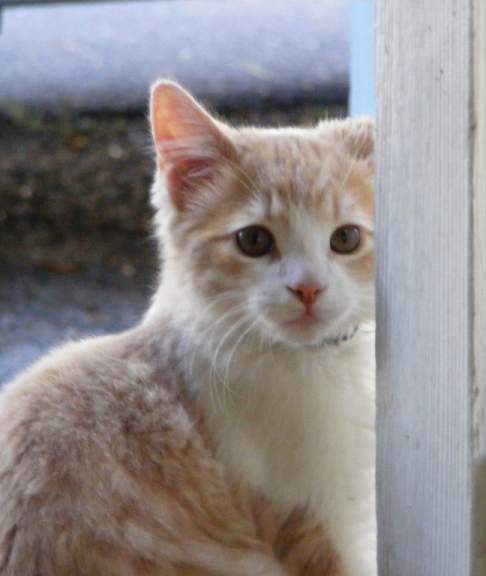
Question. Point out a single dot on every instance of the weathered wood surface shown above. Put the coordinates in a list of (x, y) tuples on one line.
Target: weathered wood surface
[(479, 264), (431, 294)]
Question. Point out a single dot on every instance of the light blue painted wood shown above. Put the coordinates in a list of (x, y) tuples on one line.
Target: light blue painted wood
[(362, 93)]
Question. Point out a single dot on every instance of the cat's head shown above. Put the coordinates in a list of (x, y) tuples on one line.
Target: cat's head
[(268, 231)]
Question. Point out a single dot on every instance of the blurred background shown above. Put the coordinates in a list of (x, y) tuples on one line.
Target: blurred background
[(76, 253)]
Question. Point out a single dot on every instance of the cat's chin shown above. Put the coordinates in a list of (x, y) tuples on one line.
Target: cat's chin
[(309, 331), (300, 333)]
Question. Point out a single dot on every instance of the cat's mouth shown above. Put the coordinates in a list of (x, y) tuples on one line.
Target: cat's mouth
[(302, 321), (305, 327)]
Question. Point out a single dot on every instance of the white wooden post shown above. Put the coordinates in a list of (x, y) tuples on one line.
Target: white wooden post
[(431, 287)]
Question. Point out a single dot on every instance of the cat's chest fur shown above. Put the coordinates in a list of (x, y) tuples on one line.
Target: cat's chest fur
[(298, 427)]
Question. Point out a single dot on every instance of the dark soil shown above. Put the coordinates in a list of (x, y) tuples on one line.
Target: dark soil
[(74, 189)]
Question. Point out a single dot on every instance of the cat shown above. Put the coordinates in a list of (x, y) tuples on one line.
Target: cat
[(231, 432)]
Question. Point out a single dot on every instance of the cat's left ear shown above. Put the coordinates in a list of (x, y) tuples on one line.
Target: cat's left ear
[(191, 146)]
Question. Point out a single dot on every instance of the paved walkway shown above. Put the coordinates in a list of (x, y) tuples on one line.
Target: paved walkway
[(39, 311)]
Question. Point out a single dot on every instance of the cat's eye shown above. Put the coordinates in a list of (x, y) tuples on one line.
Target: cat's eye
[(255, 241), (346, 239)]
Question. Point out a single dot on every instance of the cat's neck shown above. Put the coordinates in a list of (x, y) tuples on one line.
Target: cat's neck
[(215, 356), (229, 373), (293, 424), (259, 387)]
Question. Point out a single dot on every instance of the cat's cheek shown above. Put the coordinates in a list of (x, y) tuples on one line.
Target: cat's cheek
[(213, 266), (363, 269)]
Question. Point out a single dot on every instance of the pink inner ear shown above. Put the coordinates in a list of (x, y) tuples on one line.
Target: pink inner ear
[(189, 144), (185, 176)]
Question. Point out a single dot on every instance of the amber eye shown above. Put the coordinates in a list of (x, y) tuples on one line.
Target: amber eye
[(346, 239), (255, 241)]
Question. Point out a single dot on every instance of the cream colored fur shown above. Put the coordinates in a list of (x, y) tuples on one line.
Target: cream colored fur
[(214, 438)]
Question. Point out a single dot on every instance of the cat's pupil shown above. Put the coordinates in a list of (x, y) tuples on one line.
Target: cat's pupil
[(256, 237)]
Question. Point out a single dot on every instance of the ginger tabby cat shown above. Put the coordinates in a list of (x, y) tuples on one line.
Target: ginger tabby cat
[(231, 431)]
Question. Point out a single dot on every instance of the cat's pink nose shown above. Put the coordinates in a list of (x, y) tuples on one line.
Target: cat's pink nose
[(307, 292)]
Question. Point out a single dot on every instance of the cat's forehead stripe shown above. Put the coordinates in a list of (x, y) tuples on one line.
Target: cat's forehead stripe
[(295, 171)]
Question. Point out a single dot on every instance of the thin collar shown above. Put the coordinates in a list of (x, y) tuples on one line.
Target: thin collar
[(342, 338)]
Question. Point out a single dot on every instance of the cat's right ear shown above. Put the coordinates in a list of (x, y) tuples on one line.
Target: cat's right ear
[(190, 145), (358, 135)]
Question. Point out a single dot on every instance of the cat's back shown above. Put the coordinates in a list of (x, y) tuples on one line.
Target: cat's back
[(106, 470), (88, 436), (107, 386)]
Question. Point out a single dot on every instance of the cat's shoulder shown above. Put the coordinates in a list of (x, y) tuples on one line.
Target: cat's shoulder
[(110, 386)]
